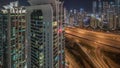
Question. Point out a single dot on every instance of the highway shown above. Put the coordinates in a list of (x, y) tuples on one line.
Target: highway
[(97, 47), (78, 59)]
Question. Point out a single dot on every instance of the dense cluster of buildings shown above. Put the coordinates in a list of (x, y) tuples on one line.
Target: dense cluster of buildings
[(32, 36), (106, 15)]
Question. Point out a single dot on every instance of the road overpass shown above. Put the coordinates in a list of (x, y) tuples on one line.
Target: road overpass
[(97, 46)]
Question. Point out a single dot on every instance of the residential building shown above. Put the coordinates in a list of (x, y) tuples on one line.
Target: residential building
[(3, 38), (16, 36), (45, 37)]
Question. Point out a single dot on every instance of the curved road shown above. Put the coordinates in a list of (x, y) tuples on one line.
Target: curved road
[(99, 42)]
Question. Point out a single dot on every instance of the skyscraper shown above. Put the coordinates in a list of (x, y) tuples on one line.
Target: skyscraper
[(3, 38), (16, 26), (100, 7), (94, 6), (34, 37), (61, 41), (117, 4), (46, 49), (105, 7), (37, 39)]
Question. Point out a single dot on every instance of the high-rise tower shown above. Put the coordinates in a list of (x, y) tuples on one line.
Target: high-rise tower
[(3, 38), (117, 3), (45, 34), (16, 37), (100, 7), (94, 6)]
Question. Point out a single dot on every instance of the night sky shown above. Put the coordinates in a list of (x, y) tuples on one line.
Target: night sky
[(69, 4), (77, 4)]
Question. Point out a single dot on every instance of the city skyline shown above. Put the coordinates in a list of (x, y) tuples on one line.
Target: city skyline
[(59, 34)]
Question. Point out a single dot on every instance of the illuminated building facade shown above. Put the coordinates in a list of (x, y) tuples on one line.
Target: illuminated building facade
[(71, 20), (108, 14), (45, 27), (61, 35), (117, 4), (94, 7), (100, 7), (16, 37), (34, 39), (17, 27), (3, 39)]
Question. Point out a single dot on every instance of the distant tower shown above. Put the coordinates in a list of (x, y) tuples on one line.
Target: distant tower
[(81, 10), (100, 7), (75, 11), (118, 6), (112, 19), (117, 10), (71, 17), (71, 11), (94, 6), (105, 7)]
